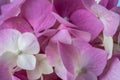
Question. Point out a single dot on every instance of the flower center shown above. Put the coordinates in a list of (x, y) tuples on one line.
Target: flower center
[(97, 1), (19, 52)]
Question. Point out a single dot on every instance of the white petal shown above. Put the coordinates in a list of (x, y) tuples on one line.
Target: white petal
[(28, 44), (43, 64), (108, 45), (27, 62), (9, 40), (9, 59)]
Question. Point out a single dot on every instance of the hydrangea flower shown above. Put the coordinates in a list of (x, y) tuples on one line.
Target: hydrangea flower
[(19, 49), (59, 40)]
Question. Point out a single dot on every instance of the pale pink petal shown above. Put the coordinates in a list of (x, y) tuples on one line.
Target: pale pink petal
[(63, 36), (92, 59), (9, 40), (15, 78), (112, 70), (109, 18), (28, 43), (94, 62), (61, 71), (111, 23)]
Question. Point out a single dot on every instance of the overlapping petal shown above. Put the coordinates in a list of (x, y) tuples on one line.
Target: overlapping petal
[(39, 14), (27, 62), (28, 44), (8, 40), (10, 10), (86, 21)]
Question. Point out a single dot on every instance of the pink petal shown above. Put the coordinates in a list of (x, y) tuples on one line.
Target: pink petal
[(63, 36), (10, 10), (63, 20), (69, 54), (83, 57), (109, 18), (4, 71), (61, 71), (93, 61), (39, 14), (80, 34), (110, 21), (15, 78), (112, 70), (52, 53), (17, 23), (86, 21)]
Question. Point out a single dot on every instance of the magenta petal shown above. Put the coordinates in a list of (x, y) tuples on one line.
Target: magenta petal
[(86, 21), (39, 14), (112, 3), (104, 2), (116, 9), (2, 2), (17, 23), (112, 70), (66, 7)]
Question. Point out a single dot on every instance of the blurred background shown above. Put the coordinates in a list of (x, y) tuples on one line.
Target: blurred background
[(119, 3)]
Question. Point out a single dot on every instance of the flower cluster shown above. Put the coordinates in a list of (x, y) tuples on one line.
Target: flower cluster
[(59, 40)]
